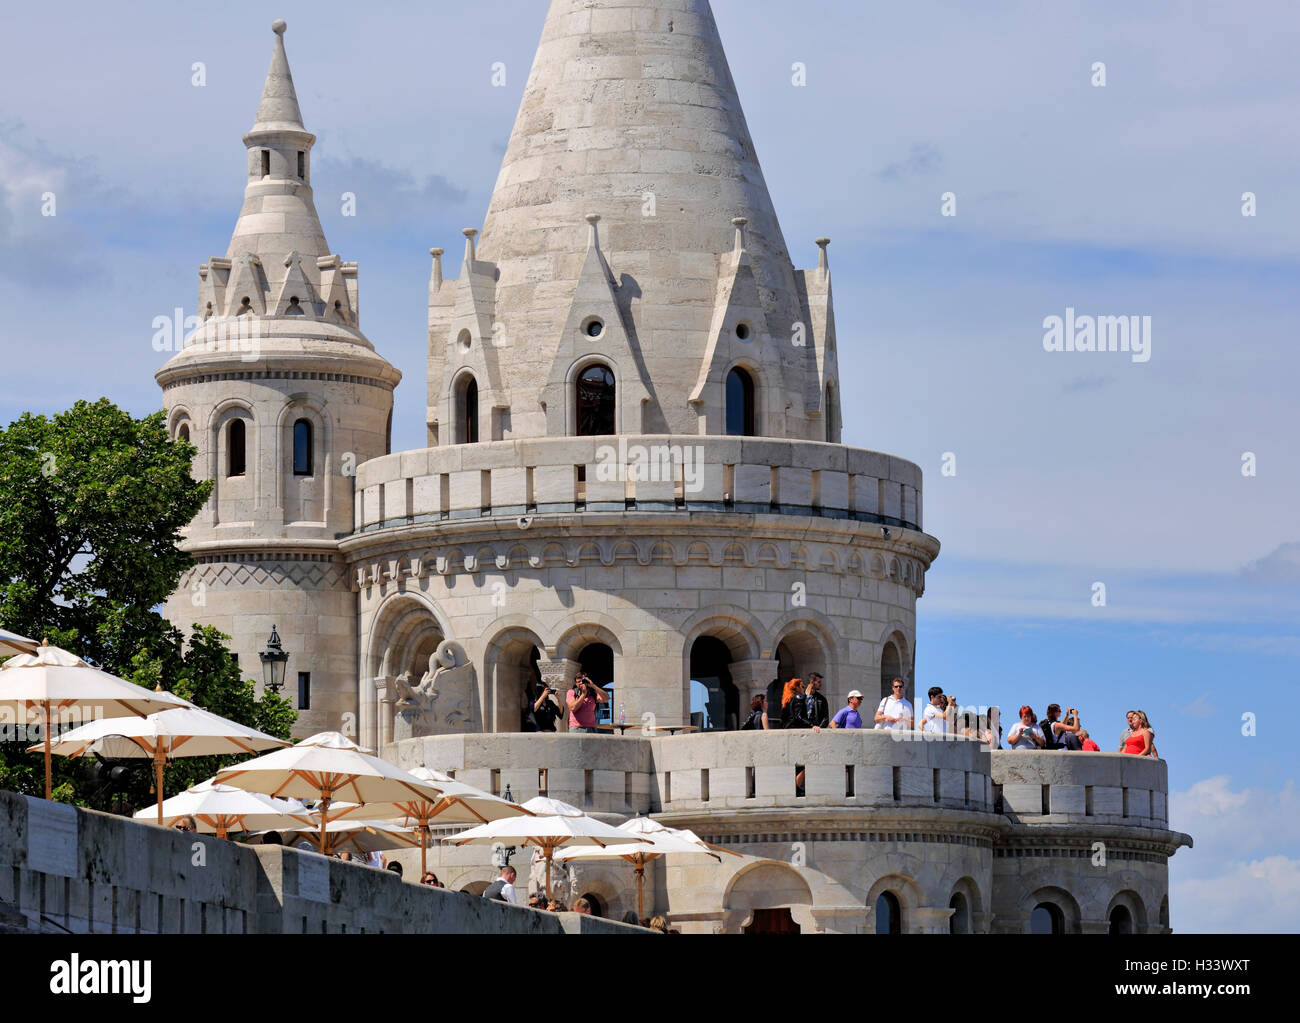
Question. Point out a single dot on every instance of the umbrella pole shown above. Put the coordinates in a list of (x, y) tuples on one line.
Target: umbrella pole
[(547, 850), (45, 727), (640, 881), (324, 818), (159, 758), (424, 849)]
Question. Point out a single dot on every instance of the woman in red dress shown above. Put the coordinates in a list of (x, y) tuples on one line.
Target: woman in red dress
[(1139, 742)]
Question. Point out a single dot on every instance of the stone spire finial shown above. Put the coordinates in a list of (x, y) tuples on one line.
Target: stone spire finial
[(437, 277), (823, 261), (470, 234), (593, 237), (739, 224), (278, 110)]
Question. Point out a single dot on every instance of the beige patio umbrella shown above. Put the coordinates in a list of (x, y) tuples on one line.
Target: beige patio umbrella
[(325, 767), (12, 643), (664, 842), (188, 731), (220, 809), (547, 834), (458, 804), (53, 679), (357, 836)]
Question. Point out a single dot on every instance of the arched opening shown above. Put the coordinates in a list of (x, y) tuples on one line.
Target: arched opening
[(597, 904), (303, 460), (236, 455), (476, 887), (891, 667), (715, 700), (959, 922), (597, 661), (889, 914), (740, 404), (772, 921), (1047, 918), (467, 410), (183, 434), (1121, 920), (596, 402), (515, 680)]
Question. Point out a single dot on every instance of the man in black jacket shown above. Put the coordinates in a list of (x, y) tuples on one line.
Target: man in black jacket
[(819, 710)]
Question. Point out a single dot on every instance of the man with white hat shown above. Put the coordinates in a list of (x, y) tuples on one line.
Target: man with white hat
[(849, 717)]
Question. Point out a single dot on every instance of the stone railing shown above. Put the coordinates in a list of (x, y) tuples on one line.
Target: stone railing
[(723, 771), (1060, 787), (616, 474), (65, 870)]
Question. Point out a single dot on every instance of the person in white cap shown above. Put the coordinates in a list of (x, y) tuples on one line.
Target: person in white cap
[(849, 717)]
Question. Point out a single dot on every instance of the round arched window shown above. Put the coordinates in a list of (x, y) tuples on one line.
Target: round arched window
[(236, 455), (740, 404), (889, 915), (596, 402), (302, 448), (1047, 918)]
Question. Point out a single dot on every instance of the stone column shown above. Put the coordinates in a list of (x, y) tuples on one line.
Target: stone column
[(751, 679), (560, 675), (932, 919), (981, 923), (1094, 926), (385, 697)]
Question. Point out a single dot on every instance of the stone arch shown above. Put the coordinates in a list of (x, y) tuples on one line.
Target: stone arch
[(735, 551), (235, 498), (812, 642), (699, 551), (970, 892), (571, 378), (1134, 904), (508, 671), (404, 625), (660, 552), (766, 884), (905, 890), (762, 390), (895, 660), (878, 566), (734, 625), (585, 627), (1053, 896)]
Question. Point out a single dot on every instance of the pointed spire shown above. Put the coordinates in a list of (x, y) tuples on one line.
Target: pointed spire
[(470, 234), (437, 271), (593, 237), (278, 110), (739, 224)]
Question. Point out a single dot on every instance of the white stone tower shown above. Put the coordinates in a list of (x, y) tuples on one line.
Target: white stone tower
[(283, 396)]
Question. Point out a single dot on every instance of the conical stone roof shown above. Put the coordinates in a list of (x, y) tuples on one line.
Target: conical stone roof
[(631, 113)]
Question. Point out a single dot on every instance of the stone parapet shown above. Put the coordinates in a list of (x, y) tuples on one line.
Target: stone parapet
[(644, 473), (1063, 787)]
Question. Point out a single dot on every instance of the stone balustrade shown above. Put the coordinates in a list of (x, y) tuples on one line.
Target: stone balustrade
[(1060, 787), (614, 474)]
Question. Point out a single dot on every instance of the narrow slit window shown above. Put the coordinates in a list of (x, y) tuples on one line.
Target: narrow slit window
[(302, 166), (302, 448), (266, 163), (236, 454)]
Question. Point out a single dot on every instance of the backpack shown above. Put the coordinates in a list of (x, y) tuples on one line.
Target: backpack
[(754, 721)]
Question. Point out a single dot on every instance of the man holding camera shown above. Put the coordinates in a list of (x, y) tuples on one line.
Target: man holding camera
[(583, 699)]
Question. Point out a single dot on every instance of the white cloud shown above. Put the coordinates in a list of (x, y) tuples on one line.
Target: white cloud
[(1259, 897), (1242, 875)]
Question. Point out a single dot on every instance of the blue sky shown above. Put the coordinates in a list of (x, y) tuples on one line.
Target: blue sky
[(1072, 468)]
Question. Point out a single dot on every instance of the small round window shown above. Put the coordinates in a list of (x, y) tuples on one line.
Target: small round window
[(743, 331), (595, 328)]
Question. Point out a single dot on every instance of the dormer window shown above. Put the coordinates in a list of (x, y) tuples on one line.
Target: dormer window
[(266, 163)]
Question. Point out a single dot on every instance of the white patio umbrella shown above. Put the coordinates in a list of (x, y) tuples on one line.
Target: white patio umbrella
[(664, 841), (458, 804), (547, 834), (543, 806), (188, 731), (12, 643), (358, 836), (326, 766), (220, 809), (54, 679)]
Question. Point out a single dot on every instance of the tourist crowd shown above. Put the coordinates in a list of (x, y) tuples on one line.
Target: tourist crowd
[(804, 706)]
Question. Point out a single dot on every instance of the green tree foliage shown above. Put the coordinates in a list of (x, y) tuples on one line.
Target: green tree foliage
[(92, 502)]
